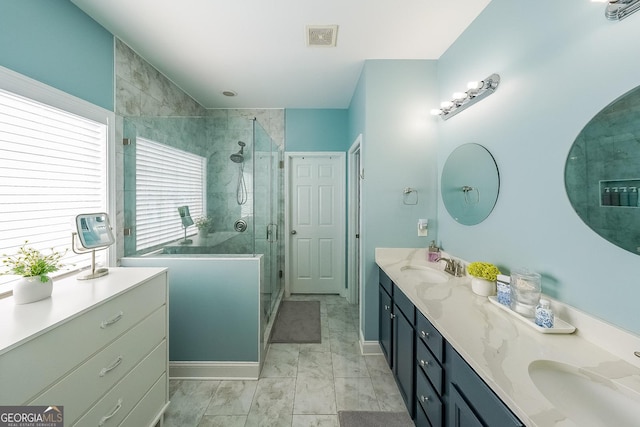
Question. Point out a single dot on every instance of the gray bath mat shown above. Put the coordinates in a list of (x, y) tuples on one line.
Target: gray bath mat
[(297, 322), (374, 419)]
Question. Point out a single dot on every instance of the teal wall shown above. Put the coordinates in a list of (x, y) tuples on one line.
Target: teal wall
[(54, 42), (391, 109), (316, 130), (560, 63)]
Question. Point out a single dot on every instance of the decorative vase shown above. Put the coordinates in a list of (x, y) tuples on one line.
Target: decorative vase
[(31, 289), (483, 287), (203, 232)]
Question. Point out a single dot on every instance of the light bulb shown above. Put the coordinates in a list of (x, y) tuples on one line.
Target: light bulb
[(436, 112), (474, 85), (445, 105), (459, 96)]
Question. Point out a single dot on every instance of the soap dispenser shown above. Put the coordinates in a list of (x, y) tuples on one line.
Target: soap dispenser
[(544, 314), (624, 196), (434, 252), (606, 197)]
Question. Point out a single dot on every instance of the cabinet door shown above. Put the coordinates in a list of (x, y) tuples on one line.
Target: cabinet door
[(403, 358), (460, 414), (384, 325)]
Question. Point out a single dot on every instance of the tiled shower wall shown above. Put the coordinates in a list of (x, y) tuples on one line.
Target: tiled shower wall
[(144, 94), (608, 149)]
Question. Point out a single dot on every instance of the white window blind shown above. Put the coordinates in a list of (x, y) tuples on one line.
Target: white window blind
[(52, 167), (166, 178)]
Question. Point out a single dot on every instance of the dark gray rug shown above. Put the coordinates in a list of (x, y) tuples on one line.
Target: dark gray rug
[(297, 322), (374, 419)]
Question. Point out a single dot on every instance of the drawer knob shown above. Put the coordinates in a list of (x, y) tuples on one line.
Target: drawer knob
[(424, 334), (114, 365), (424, 399), (114, 411), (386, 307), (106, 323), (424, 362), (393, 316)]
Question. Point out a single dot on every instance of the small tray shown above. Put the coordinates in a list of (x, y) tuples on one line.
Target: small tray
[(559, 325)]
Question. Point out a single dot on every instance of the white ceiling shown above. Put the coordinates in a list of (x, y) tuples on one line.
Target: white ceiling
[(257, 48)]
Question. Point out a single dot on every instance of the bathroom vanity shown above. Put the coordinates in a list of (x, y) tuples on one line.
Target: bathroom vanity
[(472, 364), (98, 348)]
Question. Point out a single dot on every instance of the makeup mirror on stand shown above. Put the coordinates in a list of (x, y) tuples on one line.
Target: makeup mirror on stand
[(93, 232)]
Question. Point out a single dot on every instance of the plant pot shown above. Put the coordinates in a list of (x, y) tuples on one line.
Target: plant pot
[(202, 233), (483, 287), (31, 289)]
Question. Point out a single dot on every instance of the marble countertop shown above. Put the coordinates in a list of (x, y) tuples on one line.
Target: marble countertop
[(499, 347)]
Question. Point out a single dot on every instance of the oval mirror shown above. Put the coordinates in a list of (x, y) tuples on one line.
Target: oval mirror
[(602, 172), (470, 184)]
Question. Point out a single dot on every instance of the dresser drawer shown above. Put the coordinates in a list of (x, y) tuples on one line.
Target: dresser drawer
[(428, 399), (150, 407), (86, 384), (57, 351), (121, 399), (430, 336), (430, 366)]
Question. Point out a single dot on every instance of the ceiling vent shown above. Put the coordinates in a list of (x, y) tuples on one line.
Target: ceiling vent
[(322, 35)]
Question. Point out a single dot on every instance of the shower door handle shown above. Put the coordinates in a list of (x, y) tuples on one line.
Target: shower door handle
[(272, 233), (294, 232)]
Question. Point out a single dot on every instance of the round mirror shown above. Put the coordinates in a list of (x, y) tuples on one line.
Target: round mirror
[(602, 173), (470, 184)]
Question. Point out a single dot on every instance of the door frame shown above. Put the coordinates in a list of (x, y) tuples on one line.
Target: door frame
[(288, 156), (354, 246)]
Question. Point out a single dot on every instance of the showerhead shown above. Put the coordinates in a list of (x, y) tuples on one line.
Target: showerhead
[(239, 156)]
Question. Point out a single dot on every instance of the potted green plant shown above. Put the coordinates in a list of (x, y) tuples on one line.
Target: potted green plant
[(34, 267), (204, 224), (483, 277)]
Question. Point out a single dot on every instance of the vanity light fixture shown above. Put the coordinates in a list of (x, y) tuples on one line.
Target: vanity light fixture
[(617, 10), (475, 92)]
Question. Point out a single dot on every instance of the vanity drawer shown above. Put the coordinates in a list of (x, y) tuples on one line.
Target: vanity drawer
[(121, 399), (404, 304), (430, 366), (85, 385), (59, 350), (430, 336), (428, 399), (385, 281)]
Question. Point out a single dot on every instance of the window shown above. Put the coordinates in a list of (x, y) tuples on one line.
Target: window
[(53, 166), (166, 178)]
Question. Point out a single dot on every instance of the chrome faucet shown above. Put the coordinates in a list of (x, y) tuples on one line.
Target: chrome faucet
[(450, 267)]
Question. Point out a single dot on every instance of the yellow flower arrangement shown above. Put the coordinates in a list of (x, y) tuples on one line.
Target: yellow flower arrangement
[(483, 270)]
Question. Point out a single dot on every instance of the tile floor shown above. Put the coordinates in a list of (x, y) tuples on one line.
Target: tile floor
[(301, 385)]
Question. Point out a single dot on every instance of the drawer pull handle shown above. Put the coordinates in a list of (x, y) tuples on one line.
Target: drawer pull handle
[(424, 399), (114, 365), (424, 334), (424, 362), (106, 323), (115, 410)]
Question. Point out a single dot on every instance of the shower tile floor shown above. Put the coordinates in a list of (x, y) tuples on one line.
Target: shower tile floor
[(301, 385)]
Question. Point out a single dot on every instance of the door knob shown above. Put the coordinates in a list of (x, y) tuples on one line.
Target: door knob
[(294, 232)]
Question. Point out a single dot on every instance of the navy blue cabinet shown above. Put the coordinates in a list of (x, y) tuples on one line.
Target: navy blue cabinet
[(438, 386), (471, 402), (385, 322), (404, 353)]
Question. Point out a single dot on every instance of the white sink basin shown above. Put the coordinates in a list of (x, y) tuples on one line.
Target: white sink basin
[(426, 274), (586, 398)]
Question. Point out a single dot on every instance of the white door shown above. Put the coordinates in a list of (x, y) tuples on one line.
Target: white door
[(316, 223)]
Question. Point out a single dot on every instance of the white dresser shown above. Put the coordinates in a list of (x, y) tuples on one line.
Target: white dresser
[(99, 348)]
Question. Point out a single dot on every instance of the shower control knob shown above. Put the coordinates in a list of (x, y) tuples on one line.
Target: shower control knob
[(294, 232)]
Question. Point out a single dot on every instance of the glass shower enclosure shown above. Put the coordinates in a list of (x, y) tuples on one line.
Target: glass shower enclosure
[(205, 186)]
